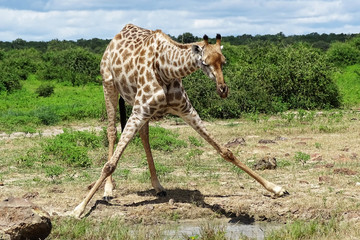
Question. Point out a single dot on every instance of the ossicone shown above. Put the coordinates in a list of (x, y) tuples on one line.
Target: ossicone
[(218, 39), (206, 39)]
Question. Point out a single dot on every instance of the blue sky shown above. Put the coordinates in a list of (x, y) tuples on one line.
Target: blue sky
[(43, 20)]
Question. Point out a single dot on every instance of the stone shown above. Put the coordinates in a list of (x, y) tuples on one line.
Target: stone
[(266, 162), (21, 219), (236, 142), (266, 141)]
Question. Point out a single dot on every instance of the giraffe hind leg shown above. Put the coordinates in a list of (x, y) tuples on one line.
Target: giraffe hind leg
[(144, 135), (111, 100)]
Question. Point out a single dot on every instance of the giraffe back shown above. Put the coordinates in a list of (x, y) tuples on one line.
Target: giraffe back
[(128, 61)]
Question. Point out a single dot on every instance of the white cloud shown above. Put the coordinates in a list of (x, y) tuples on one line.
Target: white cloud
[(75, 19)]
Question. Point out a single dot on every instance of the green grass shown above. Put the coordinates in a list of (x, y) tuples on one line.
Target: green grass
[(348, 82), (24, 109), (313, 229)]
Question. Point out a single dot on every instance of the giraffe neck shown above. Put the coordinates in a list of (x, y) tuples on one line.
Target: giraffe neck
[(176, 61)]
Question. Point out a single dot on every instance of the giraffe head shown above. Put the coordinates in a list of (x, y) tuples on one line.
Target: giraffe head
[(210, 59)]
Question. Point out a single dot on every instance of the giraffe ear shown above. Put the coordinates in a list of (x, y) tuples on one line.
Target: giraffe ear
[(197, 50)]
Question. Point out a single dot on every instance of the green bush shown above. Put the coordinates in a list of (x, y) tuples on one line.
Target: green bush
[(47, 115), (71, 147), (75, 65), (45, 90), (266, 78), (344, 54)]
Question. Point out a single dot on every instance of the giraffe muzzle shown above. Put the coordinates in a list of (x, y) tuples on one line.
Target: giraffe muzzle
[(222, 90)]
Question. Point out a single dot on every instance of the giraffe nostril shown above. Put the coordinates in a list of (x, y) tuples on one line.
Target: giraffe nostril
[(223, 90)]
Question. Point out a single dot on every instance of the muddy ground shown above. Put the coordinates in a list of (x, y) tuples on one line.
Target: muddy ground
[(326, 185)]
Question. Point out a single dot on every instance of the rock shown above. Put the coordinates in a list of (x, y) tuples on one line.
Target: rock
[(266, 141), (266, 163), (235, 142), (21, 219), (344, 171)]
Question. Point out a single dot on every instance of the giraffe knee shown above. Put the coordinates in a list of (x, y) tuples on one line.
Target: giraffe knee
[(227, 155), (109, 168)]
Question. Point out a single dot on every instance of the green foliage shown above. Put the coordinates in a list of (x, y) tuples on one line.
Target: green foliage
[(163, 139), (47, 115), (75, 65), (54, 171), (71, 147), (196, 142), (266, 78), (45, 90), (301, 157), (343, 54), (348, 81), (313, 229)]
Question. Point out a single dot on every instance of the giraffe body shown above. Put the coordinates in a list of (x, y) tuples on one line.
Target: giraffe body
[(145, 67)]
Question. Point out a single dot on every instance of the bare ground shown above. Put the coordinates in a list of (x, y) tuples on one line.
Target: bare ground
[(325, 186)]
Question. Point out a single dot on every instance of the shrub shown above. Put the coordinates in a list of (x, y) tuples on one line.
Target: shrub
[(47, 115), (71, 147), (75, 65), (344, 54), (45, 90)]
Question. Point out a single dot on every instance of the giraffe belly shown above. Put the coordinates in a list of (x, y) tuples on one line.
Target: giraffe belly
[(126, 91)]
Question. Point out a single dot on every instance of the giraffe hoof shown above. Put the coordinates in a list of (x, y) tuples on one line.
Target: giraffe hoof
[(107, 198), (161, 194)]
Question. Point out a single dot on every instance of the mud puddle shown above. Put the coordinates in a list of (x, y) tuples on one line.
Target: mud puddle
[(194, 229)]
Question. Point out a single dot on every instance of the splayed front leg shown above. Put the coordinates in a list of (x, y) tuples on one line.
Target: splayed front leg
[(192, 118)]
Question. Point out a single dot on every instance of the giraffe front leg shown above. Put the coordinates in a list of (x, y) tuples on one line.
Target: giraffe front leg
[(133, 125), (193, 119)]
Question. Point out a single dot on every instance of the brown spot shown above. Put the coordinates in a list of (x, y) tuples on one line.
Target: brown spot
[(148, 76), (170, 97), (141, 60), (152, 110), (126, 89), (105, 56), (147, 88), (139, 93), (118, 61), (134, 89), (137, 102), (178, 95), (118, 37), (142, 52), (161, 98), (131, 47), (141, 80), (149, 63), (143, 98), (162, 59), (111, 46), (142, 70), (126, 54), (176, 84), (181, 72), (117, 72)]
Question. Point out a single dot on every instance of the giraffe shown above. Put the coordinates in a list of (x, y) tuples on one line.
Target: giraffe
[(145, 67)]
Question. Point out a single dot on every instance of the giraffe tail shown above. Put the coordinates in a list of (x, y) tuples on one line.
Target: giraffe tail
[(122, 111)]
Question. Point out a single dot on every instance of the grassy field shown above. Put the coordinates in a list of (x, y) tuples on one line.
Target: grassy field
[(317, 157), (25, 111)]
